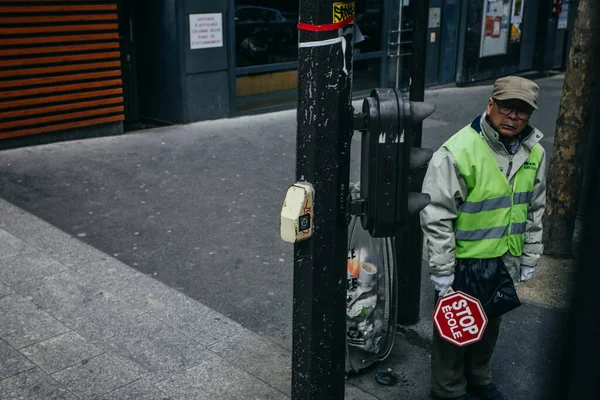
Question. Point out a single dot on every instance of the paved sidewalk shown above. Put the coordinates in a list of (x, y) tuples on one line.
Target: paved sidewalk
[(196, 207), (79, 324)]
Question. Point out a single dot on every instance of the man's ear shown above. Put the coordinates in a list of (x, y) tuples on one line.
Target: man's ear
[(488, 109)]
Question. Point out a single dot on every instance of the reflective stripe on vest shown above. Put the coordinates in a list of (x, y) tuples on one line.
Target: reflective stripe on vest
[(493, 217)]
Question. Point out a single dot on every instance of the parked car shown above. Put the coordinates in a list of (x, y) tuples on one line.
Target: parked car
[(264, 36)]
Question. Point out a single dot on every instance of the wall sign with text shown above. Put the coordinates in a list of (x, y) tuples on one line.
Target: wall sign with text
[(206, 31)]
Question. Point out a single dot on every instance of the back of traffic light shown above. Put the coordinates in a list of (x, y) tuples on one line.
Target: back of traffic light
[(389, 164)]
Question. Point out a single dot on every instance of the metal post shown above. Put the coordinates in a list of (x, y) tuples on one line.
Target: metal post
[(323, 159), (409, 242)]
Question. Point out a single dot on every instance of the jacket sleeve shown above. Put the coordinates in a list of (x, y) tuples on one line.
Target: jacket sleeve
[(447, 189), (533, 247)]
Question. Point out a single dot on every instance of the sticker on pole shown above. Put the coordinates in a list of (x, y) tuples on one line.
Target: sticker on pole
[(343, 11), (459, 318)]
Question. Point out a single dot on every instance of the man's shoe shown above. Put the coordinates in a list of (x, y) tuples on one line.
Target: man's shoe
[(465, 396), (487, 392)]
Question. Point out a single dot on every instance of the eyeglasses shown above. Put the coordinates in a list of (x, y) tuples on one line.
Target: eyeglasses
[(503, 109)]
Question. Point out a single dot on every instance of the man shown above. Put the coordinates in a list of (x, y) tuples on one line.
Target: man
[(488, 192)]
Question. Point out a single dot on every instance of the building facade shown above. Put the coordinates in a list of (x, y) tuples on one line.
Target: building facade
[(77, 66)]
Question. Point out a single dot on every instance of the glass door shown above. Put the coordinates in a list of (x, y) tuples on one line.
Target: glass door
[(399, 45)]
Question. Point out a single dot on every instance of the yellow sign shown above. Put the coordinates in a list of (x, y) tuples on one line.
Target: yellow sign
[(342, 11)]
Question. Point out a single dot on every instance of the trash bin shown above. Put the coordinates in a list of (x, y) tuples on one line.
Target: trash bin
[(372, 296)]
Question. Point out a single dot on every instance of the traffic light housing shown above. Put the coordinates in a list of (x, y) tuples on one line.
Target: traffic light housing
[(390, 167)]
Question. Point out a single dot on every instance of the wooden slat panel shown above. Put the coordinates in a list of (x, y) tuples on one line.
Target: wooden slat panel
[(61, 68), (64, 8), (60, 117), (63, 107), (60, 127), (57, 79), (62, 88), (52, 1), (59, 59), (58, 28), (60, 65), (60, 98), (58, 39), (49, 1), (58, 49), (57, 18)]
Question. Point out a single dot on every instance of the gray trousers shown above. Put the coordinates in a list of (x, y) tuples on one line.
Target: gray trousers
[(452, 367)]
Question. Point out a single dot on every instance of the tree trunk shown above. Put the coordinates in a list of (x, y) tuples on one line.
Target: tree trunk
[(566, 165)]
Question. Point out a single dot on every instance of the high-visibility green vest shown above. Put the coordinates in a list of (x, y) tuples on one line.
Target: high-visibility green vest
[(492, 219)]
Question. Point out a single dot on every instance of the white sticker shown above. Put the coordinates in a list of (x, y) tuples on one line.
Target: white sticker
[(206, 31)]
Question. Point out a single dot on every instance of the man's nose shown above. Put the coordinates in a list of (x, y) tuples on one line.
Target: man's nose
[(513, 115)]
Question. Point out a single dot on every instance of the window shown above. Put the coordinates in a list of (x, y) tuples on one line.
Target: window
[(265, 34)]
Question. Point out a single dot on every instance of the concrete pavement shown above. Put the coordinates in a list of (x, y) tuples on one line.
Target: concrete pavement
[(79, 324), (195, 207)]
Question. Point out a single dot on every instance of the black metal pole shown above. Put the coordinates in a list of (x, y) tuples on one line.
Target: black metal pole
[(323, 159), (409, 242)]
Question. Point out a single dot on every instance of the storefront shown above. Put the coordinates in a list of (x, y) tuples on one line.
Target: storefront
[(503, 37), (266, 49), (253, 64), (214, 59), (71, 66)]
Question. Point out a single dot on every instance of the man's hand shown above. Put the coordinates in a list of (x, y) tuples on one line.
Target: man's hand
[(526, 273), (442, 283)]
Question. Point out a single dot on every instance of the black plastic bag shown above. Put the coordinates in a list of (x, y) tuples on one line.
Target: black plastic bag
[(489, 281)]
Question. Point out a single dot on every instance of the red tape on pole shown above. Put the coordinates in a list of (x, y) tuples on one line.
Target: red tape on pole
[(325, 27)]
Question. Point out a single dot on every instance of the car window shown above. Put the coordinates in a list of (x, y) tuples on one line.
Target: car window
[(248, 15), (270, 16)]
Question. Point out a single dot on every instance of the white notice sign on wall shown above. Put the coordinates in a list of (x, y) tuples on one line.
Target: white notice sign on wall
[(206, 31)]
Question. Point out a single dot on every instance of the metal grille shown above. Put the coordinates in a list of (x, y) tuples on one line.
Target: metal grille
[(60, 66)]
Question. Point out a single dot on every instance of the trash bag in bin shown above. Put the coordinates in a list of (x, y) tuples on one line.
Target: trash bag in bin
[(371, 298)]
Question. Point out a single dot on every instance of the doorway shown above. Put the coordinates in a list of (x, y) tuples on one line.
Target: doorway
[(442, 41), (399, 45), (128, 61)]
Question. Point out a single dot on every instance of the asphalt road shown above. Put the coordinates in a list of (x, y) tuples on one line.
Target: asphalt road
[(197, 206)]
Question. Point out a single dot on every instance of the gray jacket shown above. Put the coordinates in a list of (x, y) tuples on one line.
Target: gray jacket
[(448, 190)]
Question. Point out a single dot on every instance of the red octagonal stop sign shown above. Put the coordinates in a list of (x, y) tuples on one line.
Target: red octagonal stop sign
[(459, 318)]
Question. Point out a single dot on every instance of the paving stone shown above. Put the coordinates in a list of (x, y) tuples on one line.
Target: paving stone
[(259, 358), (33, 384), (142, 291), (23, 267), (97, 376), (10, 214), (218, 379), (196, 320), (4, 290), (155, 351), (45, 237), (10, 245), (138, 390), (60, 352), (107, 269), (69, 251), (83, 306), (23, 324), (11, 362)]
